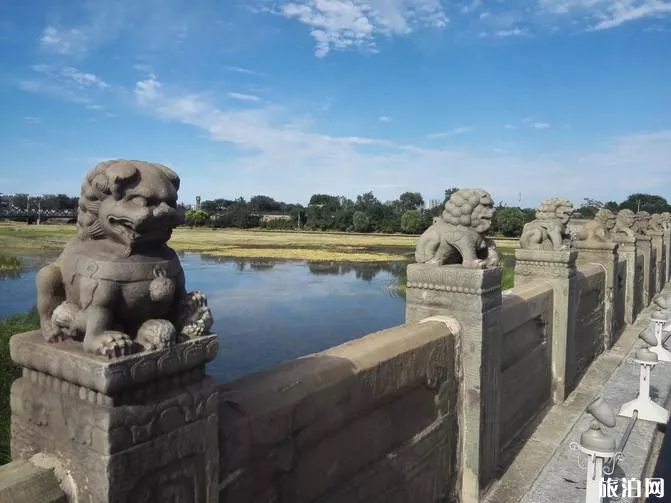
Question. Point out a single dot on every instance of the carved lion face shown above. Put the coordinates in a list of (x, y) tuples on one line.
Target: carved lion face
[(564, 213), (131, 202), (481, 218)]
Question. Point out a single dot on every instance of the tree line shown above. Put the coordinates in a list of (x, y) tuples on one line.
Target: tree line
[(406, 214)]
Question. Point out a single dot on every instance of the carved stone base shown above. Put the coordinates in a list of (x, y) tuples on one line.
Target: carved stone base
[(531, 265), (142, 428)]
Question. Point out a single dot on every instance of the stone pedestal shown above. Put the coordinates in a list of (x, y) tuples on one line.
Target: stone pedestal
[(605, 254), (657, 259), (137, 429), (644, 250), (473, 297), (667, 255), (559, 269), (628, 253)]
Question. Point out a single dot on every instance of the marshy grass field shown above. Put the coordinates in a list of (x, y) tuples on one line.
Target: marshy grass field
[(22, 239)]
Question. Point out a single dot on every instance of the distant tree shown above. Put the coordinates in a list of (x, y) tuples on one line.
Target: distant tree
[(612, 206), (589, 207), (196, 218), (410, 201), (508, 221), (412, 222), (216, 206), (645, 202), (360, 222), (366, 201), (450, 191), (263, 204), (529, 214)]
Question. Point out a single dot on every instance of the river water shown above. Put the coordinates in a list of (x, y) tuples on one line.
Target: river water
[(268, 311)]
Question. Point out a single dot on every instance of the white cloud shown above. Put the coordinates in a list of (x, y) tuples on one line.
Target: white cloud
[(451, 132), (540, 125), (514, 32), (346, 24), (605, 14), (83, 79), (243, 97), (66, 83), (349, 165), (470, 7), (32, 120), (509, 126), (384, 118), (63, 41)]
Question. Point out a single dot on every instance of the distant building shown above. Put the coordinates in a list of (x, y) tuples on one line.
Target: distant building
[(197, 203), (433, 203), (268, 218)]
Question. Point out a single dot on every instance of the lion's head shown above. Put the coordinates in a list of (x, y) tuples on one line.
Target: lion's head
[(470, 208), (666, 218), (131, 202), (555, 208), (625, 219), (606, 217)]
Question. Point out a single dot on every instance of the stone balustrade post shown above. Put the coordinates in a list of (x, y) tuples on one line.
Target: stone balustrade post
[(657, 260), (604, 254), (627, 251), (472, 297), (667, 254), (135, 429), (644, 250), (558, 268)]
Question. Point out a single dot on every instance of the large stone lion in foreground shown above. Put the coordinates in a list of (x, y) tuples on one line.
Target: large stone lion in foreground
[(598, 229), (458, 235), (117, 284), (549, 230)]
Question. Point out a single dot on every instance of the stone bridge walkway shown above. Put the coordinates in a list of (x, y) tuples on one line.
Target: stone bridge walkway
[(543, 472)]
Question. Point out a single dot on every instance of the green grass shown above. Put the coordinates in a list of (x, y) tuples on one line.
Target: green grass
[(10, 264), (9, 372)]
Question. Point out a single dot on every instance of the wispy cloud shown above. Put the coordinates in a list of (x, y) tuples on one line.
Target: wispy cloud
[(67, 83), (384, 118), (514, 32), (509, 126), (243, 97), (355, 24), (451, 132), (32, 120), (63, 41), (246, 71), (540, 125)]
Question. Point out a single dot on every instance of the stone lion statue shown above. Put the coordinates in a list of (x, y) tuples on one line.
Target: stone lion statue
[(666, 220), (656, 223), (624, 224), (458, 235), (641, 222), (117, 285), (598, 229), (549, 230)]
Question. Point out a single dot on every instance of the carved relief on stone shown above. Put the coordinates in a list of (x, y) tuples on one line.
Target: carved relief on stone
[(624, 225), (117, 285), (598, 229), (549, 230), (641, 223), (458, 236)]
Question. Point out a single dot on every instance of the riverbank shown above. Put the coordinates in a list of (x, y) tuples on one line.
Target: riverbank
[(9, 372), (17, 239)]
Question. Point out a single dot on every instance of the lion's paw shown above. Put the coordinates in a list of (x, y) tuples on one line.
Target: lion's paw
[(475, 264), (195, 319), (51, 332), (111, 344), (156, 334)]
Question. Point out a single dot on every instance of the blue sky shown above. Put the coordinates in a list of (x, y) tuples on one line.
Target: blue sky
[(539, 98)]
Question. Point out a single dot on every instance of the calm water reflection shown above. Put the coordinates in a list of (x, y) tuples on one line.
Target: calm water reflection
[(267, 311)]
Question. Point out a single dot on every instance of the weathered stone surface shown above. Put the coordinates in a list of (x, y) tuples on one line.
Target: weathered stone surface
[(24, 482), (526, 319), (605, 254), (597, 230), (473, 298), (458, 235), (117, 284), (357, 403), (65, 361), (647, 269), (641, 222), (559, 269), (549, 230), (624, 226)]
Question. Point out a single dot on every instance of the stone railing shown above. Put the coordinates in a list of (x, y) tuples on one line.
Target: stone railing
[(428, 411)]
